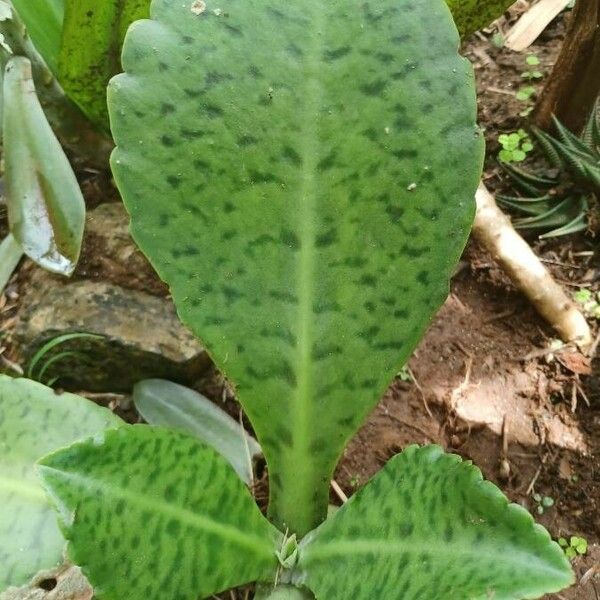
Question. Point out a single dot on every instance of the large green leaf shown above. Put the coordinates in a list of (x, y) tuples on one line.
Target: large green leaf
[(471, 15), (166, 403), (91, 48), (35, 420), (302, 175), (429, 527), (46, 210), (151, 514), (43, 19)]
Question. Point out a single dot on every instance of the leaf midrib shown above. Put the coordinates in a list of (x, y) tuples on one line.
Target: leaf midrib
[(306, 262), (23, 488), (365, 546), (261, 546)]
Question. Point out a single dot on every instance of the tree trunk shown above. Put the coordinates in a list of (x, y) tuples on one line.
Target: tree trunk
[(574, 84)]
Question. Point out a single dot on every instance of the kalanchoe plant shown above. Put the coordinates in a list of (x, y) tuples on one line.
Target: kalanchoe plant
[(296, 174), (558, 202)]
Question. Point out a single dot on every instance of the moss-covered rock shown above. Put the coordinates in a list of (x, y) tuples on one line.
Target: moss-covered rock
[(471, 15)]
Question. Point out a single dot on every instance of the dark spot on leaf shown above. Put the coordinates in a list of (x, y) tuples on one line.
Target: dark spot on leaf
[(375, 88), (326, 239), (167, 108), (331, 55)]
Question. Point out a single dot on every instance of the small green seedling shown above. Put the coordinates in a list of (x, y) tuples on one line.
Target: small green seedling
[(404, 374), (543, 503), (575, 546), (525, 94), (532, 60), (590, 302), (515, 146)]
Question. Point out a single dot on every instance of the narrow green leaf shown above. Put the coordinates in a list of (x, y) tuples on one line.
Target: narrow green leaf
[(44, 20), (570, 140), (152, 513), (297, 175), (428, 527), (91, 49), (46, 210), (50, 345), (165, 403), (10, 255), (34, 420)]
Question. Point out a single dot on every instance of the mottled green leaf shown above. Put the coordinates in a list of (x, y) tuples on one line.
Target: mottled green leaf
[(471, 15), (43, 19), (46, 210), (166, 403), (10, 255), (429, 527), (302, 175), (35, 420), (91, 49), (151, 514)]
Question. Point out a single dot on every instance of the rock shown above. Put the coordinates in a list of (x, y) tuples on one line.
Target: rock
[(141, 336), (64, 583), (114, 293), (109, 253)]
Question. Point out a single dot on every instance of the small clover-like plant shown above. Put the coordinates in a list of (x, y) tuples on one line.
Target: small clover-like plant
[(532, 74), (295, 173), (515, 146), (574, 546)]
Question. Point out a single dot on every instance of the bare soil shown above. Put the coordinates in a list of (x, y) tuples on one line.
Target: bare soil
[(482, 382)]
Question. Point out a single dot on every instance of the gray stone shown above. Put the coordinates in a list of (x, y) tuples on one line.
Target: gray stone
[(141, 337), (114, 294)]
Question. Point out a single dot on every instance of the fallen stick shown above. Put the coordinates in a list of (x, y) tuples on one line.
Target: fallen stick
[(494, 231)]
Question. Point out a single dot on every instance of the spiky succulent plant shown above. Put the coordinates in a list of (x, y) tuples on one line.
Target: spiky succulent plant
[(559, 201)]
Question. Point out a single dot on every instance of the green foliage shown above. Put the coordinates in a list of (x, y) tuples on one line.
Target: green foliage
[(34, 421), (310, 207), (471, 15), (91, 48), (153, 513), (165, 403), (575, 546), (590, 302), (36, 371), (44, 21), (557, 202), (515, 146), (46, 210), (532, 61), (428, 526)]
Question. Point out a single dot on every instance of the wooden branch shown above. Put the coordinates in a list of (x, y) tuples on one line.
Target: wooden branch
[(493, 229)]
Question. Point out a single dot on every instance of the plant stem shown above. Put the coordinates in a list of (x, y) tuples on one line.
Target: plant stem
[(74, 130)]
